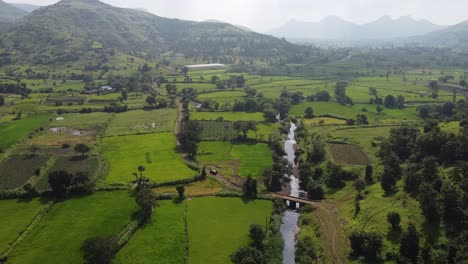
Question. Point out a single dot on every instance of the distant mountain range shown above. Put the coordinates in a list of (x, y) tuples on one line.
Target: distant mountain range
[(9, 13), (66, 30), (336, 28)]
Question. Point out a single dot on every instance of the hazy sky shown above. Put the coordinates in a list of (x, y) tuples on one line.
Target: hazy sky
[(262, 15)]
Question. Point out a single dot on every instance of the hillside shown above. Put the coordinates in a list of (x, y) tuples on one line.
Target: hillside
[(63, 31), (455, 36), (26, 7), (337, 28), (9, 13)]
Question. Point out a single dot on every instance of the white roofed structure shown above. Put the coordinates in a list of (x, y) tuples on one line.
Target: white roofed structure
[(205, 66)]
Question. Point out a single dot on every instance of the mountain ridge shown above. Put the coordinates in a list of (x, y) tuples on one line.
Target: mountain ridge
[(9, 13), (64, 30), (333, 27)]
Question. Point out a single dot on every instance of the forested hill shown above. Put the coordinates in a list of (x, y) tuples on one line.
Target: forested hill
[(9, 13), (454, 36), (63, 31)]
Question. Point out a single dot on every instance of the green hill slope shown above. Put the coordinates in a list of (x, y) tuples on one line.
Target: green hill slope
[(63, 31)]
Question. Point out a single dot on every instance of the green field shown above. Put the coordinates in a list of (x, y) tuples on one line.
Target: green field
[(223, 97), (227, 116), (156, 152), (58, 238), (15, 131), (140, 122), (219, 226), (161, 240), (350, 112), (15, 216), (253, 159)]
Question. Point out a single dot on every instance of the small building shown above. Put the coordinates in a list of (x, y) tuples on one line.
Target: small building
[(213, 66), (106, 88)]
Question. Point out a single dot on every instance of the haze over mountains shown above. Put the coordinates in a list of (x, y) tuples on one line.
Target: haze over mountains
[(336, 28), (9, 13)]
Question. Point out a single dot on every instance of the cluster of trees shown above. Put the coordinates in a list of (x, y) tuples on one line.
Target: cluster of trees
[(232, 82), (249, 188), (273, 178), (255, 252), (340, 94), (116, 108), (243, 128), (15, 88), (189, 137), (418, 157), (62, 183)]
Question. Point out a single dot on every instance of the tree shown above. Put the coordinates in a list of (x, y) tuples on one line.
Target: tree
[(392, 172), (203, 173), (428, 201), (100, 250), (379, 109), (60, 183), (394, 219), (305, 251), (340, 92), (244, 127), (323, 96), (434, 85), (146, 199), (248, 255), (124, 95), (2, 100), (315, 190), (389, 101), (452, 206), (362, 119), (309, 112), (82, 148), (368, 175), (181, 192), (257, 235), (249, 188), (359, 185), (463, 83), (409, 244)]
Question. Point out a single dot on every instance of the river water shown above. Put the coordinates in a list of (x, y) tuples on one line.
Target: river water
[(289, 227)]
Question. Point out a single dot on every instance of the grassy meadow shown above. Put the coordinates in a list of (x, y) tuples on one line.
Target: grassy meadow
[(156, 152), (220, 226), (58, 238)]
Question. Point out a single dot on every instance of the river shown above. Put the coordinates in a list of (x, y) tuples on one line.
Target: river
[(289, 227)]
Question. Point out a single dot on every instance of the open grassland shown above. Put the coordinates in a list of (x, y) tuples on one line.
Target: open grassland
[(227, 116), (141, 122), (161, 240), (209, 151), (156, 152), (254, 159), (223, 97), (366, 137), (350, 112), (16, 170), (72, 129), (209, 186), (15, 216), (347, 154), (323, 121), (58, 238), (248, 159), (219, 226), (264, 130), (14, 131), (373, 215)]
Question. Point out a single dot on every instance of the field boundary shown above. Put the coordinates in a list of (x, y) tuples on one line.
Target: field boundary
[(28, 230)]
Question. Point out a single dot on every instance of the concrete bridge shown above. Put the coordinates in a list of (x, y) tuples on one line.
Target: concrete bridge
[(295, 200)]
